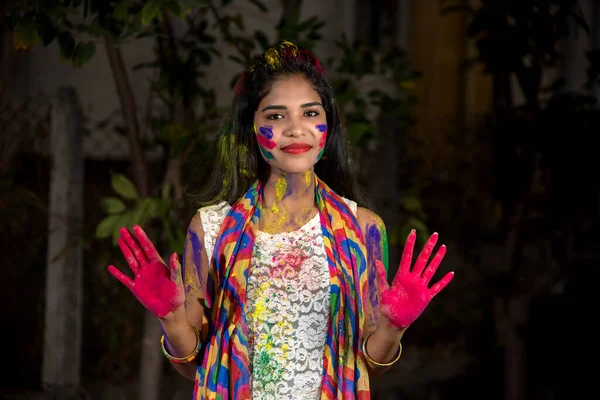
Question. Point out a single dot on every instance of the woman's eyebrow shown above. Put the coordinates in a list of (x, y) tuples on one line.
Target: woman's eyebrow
[(273, 107), (314, 103), (278, 107)]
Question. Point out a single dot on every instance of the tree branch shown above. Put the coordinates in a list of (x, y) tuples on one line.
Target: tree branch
[(129, 110)]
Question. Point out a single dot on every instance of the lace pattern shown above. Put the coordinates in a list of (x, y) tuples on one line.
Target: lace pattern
[(287, 307)]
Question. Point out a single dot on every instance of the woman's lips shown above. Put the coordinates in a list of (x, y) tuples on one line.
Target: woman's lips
[(296, 148)]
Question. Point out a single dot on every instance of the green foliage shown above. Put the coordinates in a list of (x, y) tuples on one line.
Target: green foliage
[(520, 37), (363, 110), (140, 211), (77, 26)]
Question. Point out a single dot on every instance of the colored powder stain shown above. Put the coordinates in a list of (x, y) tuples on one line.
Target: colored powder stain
[(272, 58), (267, 154), (266, 143), (189, 282), (280, 188), (267, 370), (196, 255), (323, 129), (266, 131), (321, 154), (373, 254), (308, 177)]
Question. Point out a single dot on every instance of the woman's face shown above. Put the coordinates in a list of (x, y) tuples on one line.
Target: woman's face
[(291, 126)]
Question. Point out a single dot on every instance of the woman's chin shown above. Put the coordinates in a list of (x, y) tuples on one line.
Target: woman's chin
[(298, 166)]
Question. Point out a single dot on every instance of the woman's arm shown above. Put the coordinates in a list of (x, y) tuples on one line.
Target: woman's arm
[(399, 305), (180, 337), (383, 343)]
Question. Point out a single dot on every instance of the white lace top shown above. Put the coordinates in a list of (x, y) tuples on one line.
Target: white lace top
[(287, 307)]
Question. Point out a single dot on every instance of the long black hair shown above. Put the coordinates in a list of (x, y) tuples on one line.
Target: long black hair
[(235, 162)]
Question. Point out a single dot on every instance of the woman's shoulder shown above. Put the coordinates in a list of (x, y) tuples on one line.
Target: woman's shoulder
[(218, 208), (206, 216), (367, 218)]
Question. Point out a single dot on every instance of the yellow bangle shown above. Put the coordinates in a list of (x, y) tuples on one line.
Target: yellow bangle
[(182, 360), (375, 363)]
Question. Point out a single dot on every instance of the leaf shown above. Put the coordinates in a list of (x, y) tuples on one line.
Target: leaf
[(150, 10), (108, 226), (25, 35), (67, 44), (83, 53), (165, 192), (45, 28), (123, 186), (112, 205), (157, 208), (141, 212), (121, 11), (260, 5), (411, 203), (262, 40)]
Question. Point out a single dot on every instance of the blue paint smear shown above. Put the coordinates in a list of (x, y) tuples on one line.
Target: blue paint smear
[(183, 263), (373, 254), (196, 255), (266, 131), (322, 127)]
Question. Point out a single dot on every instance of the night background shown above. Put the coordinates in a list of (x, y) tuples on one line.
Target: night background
[(474, 119)]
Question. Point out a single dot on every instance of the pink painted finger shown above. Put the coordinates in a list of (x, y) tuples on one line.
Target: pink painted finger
[(424, 255), (407, 255), (133, 245), (175, 269), (121, 277), (438, 287), (146, 244), (434, 264), (129, 257), (381, 277)]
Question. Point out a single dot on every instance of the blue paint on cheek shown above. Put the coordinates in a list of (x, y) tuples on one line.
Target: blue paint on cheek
[(196, 255), (322, 127), (373, 254), (266, 131)]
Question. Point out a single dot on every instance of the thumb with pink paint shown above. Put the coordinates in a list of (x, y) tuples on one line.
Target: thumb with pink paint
[(159, 288), (408, 296)]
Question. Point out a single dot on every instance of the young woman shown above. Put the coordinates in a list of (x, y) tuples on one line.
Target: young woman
[(283, 291)]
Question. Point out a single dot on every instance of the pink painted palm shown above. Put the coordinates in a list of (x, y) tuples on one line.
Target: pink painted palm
[(404, 301), (158, 287)]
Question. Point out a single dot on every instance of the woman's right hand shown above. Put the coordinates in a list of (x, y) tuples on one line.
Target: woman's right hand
[(158, 287)]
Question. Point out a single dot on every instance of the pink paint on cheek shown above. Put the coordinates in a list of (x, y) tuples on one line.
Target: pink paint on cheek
[(323, 140), (264, 142), (264, 135)]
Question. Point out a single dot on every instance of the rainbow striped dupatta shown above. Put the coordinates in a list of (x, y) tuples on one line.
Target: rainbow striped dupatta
[(225, 372)]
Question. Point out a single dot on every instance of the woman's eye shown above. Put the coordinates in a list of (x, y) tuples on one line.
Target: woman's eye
[(274, 116), (311, 113)]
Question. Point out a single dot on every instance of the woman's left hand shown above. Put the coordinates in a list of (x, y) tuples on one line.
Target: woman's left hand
[(403, 302)]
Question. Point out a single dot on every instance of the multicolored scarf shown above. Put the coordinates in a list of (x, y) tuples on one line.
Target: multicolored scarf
[(225, 373)]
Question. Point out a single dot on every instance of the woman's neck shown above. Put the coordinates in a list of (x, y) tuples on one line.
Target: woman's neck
[(288, 200)]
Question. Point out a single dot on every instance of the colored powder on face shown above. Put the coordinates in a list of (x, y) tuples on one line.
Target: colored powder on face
[(267, 154), (196, 255), (266, 131), (264, 134), (323, 129)]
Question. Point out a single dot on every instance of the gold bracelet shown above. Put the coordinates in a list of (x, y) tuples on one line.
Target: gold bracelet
[(182, 360), (375, 363)]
